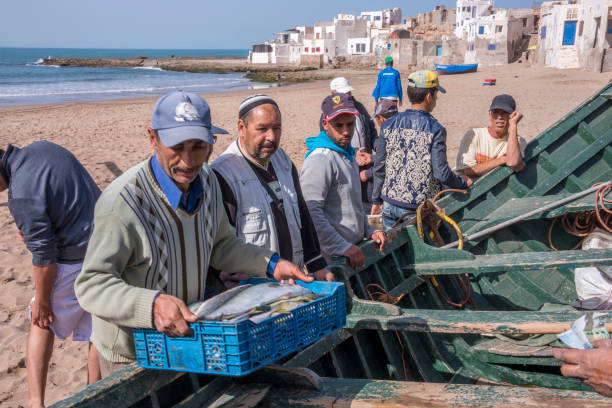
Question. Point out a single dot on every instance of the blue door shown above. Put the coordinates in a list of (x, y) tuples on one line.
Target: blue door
[(438, 50), (569, 33)]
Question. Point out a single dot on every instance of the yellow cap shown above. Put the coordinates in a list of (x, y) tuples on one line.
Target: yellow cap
[(424, 79)]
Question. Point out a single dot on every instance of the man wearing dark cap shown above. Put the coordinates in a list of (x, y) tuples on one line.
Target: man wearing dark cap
[(411, 165), (331, 185), (363, 139), (483, 149), (157, 228), (261, 190)]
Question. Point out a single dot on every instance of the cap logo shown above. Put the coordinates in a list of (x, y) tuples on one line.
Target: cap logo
[(336, 99), (185, 111)]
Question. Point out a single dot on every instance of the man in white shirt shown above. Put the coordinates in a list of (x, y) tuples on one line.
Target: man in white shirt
[(483, 149)]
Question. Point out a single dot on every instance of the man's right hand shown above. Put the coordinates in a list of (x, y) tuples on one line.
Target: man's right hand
[(285, 270), (170, 316), (355, 257), (376, 209), (42, 314)]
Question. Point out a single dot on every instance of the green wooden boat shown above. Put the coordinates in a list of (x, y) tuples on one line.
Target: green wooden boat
[(512, 272), (386, 352)]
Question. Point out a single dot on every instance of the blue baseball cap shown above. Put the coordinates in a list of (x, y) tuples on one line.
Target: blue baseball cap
[(180, 116)]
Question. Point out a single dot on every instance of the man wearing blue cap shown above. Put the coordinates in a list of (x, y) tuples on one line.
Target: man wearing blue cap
[(157, 228), (483, 149)]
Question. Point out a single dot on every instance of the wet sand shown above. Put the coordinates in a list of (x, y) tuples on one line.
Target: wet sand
[(106, 134)]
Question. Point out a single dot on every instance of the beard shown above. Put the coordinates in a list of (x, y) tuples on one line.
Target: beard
[(259, 154)]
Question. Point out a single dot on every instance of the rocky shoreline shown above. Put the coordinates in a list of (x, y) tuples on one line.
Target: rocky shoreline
[(254, 72)]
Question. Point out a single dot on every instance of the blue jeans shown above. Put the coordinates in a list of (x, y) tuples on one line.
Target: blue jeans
[(391, 213)]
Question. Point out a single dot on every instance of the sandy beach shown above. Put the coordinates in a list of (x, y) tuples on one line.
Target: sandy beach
[(101, 133)]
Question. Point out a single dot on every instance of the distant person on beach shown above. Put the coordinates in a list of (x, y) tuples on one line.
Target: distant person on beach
[(483, 149), (388, 84), (363, 140), (51, 199), (157, 228), (331, 185), (261, 190), (592, 366), (410, 165)]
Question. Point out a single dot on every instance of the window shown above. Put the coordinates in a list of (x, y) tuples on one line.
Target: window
[(543, 32), (491, 47), (572, 14), (524, 22), (318, 49), (498, 29), (481, 30), (305, 49), (569, 33), (377, 18)]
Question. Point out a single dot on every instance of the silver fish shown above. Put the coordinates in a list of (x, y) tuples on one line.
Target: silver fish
[(215, 302), (254, 296)]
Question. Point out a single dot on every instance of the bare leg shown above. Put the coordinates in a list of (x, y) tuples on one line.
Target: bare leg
[(38, 354), (93, 365)]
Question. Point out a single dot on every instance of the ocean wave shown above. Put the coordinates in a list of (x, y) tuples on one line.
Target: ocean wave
[(150, 89), (150, 68)]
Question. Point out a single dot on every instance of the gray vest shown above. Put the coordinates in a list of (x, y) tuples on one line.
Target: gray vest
[(254, 217)]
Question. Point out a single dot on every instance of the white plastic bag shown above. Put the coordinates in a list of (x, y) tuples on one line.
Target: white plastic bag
[(594, 285)]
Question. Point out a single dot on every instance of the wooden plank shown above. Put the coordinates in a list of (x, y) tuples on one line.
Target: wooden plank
[(243, 396), (515, 262), (318, 349), (209, 392), (344, 393), (507, 348), (121, 389), (459, 321), (407, 286)]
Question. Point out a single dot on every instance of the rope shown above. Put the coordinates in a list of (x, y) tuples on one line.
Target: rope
[(581, 224), (425, 213)]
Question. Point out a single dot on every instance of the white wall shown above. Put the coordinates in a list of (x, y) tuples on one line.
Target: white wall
[(364, 45), (261, 57)]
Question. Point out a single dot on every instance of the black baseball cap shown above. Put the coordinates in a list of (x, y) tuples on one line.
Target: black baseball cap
[(337, 104), (386, 108), (503, 102)]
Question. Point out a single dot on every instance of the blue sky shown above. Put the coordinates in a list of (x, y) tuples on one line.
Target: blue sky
[(177, 23)]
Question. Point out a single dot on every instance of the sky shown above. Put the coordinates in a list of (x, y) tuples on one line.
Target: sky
[(184, 24)]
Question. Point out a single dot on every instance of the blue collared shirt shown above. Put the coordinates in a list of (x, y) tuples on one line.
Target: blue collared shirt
[(187, 201)]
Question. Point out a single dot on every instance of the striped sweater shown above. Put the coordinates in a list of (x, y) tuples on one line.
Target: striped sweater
[(140, 246)]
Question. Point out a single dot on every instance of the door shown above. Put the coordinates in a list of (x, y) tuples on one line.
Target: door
[(438, 50), (569, 33)]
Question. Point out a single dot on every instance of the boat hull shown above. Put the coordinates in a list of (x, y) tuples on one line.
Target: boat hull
[(455, 69)]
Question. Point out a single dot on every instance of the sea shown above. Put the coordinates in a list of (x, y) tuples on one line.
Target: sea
[(24, 82)]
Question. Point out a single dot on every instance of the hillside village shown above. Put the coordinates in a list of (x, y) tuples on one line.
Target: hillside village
[(559, 34)]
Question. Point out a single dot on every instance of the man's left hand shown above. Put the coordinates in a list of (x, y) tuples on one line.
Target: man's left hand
[(593, 366), (231, 280), (324, 275), (515, 118), (380, 238), (285, 270)]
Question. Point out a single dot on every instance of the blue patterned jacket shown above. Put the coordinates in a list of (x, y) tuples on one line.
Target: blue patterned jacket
[(410, 165)]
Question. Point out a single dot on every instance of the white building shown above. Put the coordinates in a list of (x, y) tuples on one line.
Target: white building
[(382, 18), (576, 35), (468, 11), (496, 39), (359, 46)]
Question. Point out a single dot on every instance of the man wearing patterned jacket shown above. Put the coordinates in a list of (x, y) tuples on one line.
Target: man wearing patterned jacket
[(157, 228), (410, 165)]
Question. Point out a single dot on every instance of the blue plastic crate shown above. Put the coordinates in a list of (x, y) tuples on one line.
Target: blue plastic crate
[(239, 348)]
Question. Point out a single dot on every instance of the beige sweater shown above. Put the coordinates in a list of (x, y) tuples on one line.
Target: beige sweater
[(140, 246)]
